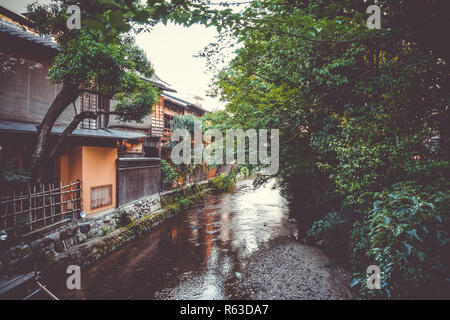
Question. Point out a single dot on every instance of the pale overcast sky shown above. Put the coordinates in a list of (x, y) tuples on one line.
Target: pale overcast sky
[(171, 49)]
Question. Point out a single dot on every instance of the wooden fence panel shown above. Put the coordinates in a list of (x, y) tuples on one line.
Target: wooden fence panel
[(137, 178), (39, 206)]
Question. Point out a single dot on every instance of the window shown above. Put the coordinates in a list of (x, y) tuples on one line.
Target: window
[(101, 196), (89, 103), (151, 148), (104, 105), (168, 122), (94, 102)]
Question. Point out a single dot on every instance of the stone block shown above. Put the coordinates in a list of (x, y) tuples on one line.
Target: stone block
[(85, 227)]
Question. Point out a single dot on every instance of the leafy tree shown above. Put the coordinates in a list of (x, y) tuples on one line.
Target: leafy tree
[(102, 57), (357, 109), (88, 61)]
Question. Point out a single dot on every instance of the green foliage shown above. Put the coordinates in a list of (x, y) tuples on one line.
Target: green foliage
[(184, 199), (409, 241), (223, 183), (168, 175), (112, 67), (186, 122), (185, 203), (185, 171), (84, 59), (11, 178), (123, 219), (243, 170), (356, 109), (106, 230), (136, 105), (333, 234)]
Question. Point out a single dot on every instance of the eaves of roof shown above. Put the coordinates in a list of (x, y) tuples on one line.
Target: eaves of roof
[(24, 127), (18, 31)]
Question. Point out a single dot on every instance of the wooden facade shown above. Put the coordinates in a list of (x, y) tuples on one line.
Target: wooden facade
[(165, 110), (116, 163), (25, 91), (90, 153), (157, 128), (137, 178)]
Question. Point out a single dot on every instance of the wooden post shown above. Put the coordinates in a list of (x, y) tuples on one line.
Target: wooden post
[(43, 204), (71, 199), (35, 206), (14, 214), (52, 202), (81, 196), (21, 203), (30, 213), (61, 196)]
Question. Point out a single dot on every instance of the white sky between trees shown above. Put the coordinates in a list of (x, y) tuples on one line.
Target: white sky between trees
[(171, 50)]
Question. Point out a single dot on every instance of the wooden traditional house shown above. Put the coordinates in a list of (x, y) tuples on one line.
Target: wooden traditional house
[(104, 163), (91, 154), (158, 127)]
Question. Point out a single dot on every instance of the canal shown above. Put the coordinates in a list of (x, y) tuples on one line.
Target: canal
[(193, 255)]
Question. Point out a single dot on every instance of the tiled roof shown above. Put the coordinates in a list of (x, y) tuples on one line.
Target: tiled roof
[(157, 82), (18, 31), (177, 99), (14, 126)]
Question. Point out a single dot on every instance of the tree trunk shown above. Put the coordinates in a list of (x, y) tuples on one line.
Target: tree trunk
[(67, 95), (54, 149), (50, 152)]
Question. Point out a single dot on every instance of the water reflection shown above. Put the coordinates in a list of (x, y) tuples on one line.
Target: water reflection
[(192, 255)]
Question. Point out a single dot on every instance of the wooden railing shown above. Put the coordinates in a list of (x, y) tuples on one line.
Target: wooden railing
[(39, 206)]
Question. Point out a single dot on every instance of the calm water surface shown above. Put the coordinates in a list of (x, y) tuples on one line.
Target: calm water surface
[(193, 255)]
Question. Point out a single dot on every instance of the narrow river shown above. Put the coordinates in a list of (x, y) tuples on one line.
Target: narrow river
[(193, 255)]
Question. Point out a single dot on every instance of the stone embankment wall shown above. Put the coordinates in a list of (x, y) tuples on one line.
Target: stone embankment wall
[(82, 242)]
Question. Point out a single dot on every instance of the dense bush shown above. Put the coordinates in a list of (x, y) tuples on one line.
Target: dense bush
[(408, 239), (332, 233), (223, 183), (123, 219), (168, 175)]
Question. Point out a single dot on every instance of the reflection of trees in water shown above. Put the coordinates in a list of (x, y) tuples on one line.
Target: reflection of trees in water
[(193, 255)]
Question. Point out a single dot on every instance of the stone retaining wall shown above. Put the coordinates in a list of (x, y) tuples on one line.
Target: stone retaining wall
[(81, 242)]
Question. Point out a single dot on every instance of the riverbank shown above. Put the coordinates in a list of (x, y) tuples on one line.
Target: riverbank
[(130, 226), (287, 270), (242, 242), (84, 241)]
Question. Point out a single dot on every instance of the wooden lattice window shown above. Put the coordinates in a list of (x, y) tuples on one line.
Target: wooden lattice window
[(89, 103), (101, 196), (94, 102)]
